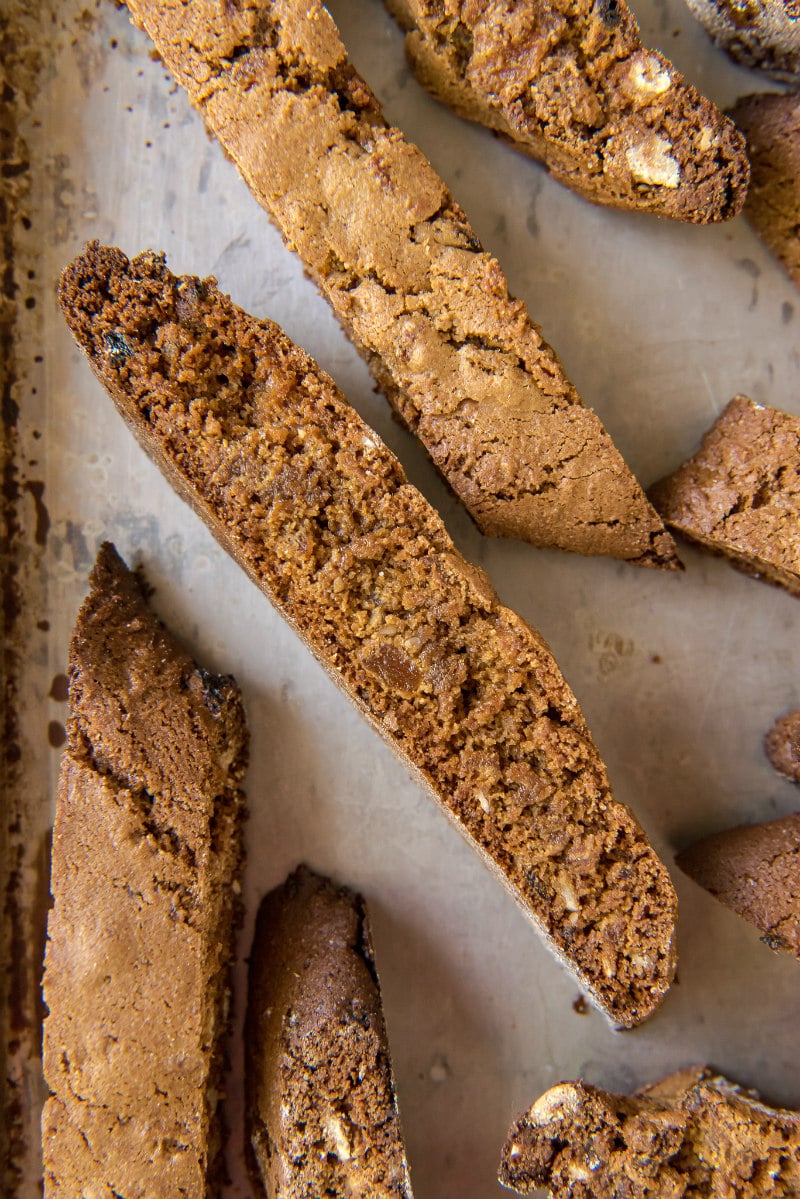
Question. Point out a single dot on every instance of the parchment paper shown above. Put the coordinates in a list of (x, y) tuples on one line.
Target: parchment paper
[(658, 325)]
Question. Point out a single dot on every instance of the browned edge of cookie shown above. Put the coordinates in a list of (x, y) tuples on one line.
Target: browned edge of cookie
[(156, 750), (771, 125), (576, 90), (318, 513), (782, 745), (739, 495), (318, 1066), (754, 869), (459, 358), (691, 1133)]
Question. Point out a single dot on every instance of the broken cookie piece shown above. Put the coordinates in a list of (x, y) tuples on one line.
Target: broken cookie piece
[(693, 1134), (321, 1109), (570, 84), (763, 34), (458, 357), (318, 512), (146, 860), (754, 870), (771, 124), (782, 745), (739, 496)]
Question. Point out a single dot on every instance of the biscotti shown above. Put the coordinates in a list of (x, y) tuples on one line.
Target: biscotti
[(382, 238), (693, 1134), (320, 515), (771, 124), (571, 85), (754, 870), (740, 494), (782, 745), (764, 34), (146, 856), (321, 1110)]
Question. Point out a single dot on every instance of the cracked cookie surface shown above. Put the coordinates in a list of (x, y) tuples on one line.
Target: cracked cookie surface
[(318, 511), (458, 357), (321, 1109), (145, 861), (739, 495), (570, 84), (689, 1136)]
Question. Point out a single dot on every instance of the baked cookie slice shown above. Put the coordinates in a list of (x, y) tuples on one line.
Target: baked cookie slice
[(692, 1134), (570, 84), (321, 1109), (771, 124), (782, 745), (461, 361), (754, 870), (318, 512), (739, 495), (146, 857), (764, 34)]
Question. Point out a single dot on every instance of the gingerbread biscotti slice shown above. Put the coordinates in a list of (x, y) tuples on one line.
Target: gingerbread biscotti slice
[(763, 34), (387, 245), (570, 84), (318, 512), (691, 1135), (321, 1109), (146, 857), (782, 745), (771, 124), (754, 869), (739, 495)]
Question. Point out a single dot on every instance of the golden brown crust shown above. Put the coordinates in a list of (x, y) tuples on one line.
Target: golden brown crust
[(691, 1135), (570, 84), (321, 1109), (319, 513), (459, 358), (145, 860), (739, 495), (771, 124)]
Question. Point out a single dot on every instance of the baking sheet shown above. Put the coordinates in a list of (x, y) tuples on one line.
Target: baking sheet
[(658, 325)]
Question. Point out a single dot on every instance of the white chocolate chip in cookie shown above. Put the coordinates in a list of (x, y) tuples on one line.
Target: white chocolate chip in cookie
[(707, 139), (651, 162), (561, 1100), (649, 75), (336, 1131)]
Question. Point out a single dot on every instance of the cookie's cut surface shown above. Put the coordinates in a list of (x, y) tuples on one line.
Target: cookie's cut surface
[(321, 1109), (739, 495), (145, 864), (318, 511), (690, 1136), (379, 233), (570, 84), (754, 870)]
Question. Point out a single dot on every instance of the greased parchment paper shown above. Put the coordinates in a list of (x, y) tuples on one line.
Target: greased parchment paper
[(658, 325)]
